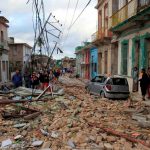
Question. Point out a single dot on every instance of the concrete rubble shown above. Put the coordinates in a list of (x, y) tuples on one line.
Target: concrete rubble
[(73, 119)]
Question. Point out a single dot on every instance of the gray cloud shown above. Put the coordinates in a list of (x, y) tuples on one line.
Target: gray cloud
[(21, 25)]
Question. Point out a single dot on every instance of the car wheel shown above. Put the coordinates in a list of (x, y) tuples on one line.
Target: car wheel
[(102, 94)]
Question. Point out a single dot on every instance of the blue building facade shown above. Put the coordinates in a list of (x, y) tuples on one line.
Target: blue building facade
[(93, 62)]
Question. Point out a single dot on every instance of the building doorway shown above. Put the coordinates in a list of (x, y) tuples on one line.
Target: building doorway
[(137, 54), (148, 52), (100, 63), (105, 61), (124, 58), (114, 59)]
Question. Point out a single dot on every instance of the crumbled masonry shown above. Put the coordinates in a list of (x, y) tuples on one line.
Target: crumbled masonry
[(74, 120)]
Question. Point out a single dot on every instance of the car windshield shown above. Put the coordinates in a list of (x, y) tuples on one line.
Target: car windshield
[(119, 81), (100, 79)]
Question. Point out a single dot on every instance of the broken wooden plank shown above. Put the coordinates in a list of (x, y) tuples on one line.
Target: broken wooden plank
[(116, 133), (31, 116), (7, 101)]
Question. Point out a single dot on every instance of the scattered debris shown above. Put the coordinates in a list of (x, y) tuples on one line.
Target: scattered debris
[(6, 143), (54, 134), (37, 143), (72, 119)]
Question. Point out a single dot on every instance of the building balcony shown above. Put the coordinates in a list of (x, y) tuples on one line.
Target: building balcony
[(124, 16), (101, 35)]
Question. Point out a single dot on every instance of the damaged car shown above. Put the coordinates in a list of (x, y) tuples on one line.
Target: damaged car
[(113, 87)]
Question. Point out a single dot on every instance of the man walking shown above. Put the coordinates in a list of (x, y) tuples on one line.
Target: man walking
[(17, 79)]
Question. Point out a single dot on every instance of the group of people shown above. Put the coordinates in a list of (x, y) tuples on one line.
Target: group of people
[(35, 80), (144, 79)]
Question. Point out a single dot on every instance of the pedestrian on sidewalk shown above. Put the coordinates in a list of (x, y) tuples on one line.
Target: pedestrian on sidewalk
[(17, 79), (148, 88), (144, 82), (135, 79)]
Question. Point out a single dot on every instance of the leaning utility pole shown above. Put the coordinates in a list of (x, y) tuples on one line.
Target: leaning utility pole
[(35, 43)]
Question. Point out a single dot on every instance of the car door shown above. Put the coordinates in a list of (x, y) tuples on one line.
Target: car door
[(92, 86), (99, 80)]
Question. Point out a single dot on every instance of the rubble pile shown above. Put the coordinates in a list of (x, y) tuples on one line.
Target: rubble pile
[(75, 120)]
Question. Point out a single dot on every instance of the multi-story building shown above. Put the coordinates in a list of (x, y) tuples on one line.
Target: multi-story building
[(78, 59), (4, 61), (102, 38), (129, 20), (83, 60), (68, 63), (18, 54)]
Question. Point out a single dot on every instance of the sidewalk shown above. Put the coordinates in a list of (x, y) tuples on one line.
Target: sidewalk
[(136, 97)]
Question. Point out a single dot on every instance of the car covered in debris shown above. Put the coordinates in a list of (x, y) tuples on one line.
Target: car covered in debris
[(113, 87)]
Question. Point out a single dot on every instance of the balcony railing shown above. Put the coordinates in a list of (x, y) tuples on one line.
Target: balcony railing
[(143, 3), (129, 10), (124, 13), (100, 34)]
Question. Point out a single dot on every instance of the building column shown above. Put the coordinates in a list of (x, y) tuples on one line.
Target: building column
[(143, 60)]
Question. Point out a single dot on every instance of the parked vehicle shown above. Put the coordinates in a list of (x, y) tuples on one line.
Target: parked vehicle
[(109, 87)]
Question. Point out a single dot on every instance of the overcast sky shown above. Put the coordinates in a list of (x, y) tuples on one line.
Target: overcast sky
[(20, 15)]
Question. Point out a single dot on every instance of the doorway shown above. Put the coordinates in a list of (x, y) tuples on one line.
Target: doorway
[(100, 63), (105, 62), (137, 54)]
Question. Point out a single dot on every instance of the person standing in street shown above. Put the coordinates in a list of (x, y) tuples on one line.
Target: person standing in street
[(17, 79), (135, 79), (46, 80), (148, 88), (34, 81), (27, 79), (143, 83)]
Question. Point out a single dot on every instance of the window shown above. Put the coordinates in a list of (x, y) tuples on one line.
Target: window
[(0, 72), (95, 67), (2, 36), (7, 70), (99, 79), (122, 3), (119, 81), (106, 61), (15, 50), (3, 66), (115, 5)]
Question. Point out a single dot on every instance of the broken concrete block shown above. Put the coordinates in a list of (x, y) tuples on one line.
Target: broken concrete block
[(44, 132), (144, 124), (138, 117), (71, 144), (37, 143), (6, 143), (54, 134), (17, 137), (111, 139), (46, 145), (24, 133), (108, 146), (21, 125)]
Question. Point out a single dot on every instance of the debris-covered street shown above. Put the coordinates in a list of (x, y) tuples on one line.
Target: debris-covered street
[(73, 119)]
